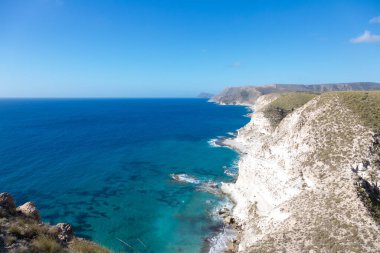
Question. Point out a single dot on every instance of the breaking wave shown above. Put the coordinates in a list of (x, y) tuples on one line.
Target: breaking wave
[(185, 178)]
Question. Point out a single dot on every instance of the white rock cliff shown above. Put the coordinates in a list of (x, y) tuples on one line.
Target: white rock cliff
[(296, 191)]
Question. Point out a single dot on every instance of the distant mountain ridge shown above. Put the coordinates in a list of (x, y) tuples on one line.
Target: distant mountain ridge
[(205, 95), (249, 94)]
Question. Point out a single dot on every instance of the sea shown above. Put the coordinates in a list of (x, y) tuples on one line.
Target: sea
[(134, 175)]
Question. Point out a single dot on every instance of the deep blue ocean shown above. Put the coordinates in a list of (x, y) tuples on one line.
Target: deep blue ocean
[(103, 165)]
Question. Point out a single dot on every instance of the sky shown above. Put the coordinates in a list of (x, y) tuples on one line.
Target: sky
[(178, 48)]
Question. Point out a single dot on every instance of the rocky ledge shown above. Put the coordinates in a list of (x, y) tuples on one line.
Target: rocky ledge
[(21, 230)]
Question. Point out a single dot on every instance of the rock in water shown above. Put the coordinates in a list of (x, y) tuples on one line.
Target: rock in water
[(29, 210)]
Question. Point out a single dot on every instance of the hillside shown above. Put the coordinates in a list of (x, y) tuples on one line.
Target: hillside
[(249, 94), (308, 174)]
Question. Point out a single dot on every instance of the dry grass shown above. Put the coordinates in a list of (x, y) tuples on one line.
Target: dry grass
[(365, 104), (19, 234), (9, 240), (46, 244), (83, 246), (27, 229)]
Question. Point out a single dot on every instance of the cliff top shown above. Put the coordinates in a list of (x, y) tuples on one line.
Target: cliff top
[(249, 94), (364, 104)]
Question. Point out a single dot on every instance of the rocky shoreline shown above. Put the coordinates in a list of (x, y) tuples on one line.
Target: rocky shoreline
[(227, 215)]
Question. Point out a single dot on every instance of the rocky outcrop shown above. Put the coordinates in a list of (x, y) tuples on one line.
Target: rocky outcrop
[(247, 95), (296, 190), (21, 231), (237, 95), (7, 202), (29, 210), (65, 232)]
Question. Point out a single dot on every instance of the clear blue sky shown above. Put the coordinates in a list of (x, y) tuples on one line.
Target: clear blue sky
[(178, 48)]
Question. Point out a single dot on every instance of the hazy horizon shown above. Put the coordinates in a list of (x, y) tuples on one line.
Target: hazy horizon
[(171, 49), (196, 96)]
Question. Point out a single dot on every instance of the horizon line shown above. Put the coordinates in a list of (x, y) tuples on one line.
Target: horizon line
[(101, 98)]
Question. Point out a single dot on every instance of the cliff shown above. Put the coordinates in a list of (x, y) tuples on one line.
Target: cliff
[(308, 174), (21, 231), (249, 94)]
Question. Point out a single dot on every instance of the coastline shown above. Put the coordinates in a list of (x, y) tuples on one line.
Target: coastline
[(167, 216), (239, 143), (228, 238), (292, 184)]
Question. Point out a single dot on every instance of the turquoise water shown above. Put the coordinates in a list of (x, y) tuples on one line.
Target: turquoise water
[(104, 165)]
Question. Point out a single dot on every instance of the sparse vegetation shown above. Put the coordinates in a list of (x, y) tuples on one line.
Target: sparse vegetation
[(83, 246), (286, 103), (370, 196), (368, 189), (46, 244), (25, 228), (365, 104), (336, 127), (21, 233)]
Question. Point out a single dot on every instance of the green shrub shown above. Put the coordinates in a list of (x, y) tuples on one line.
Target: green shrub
[(286, 103)]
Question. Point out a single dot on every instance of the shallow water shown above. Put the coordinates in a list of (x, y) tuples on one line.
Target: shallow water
[(104, 166)]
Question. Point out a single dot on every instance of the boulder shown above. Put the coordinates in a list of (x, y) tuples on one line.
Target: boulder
[(29, 210), (65, 232), (232, 246), (229, 220), (6, 201), (223, 211)]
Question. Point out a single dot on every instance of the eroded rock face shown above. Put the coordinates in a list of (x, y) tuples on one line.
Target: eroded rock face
[(6, 201), (29, 210), (295, 188), (65, 232)]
